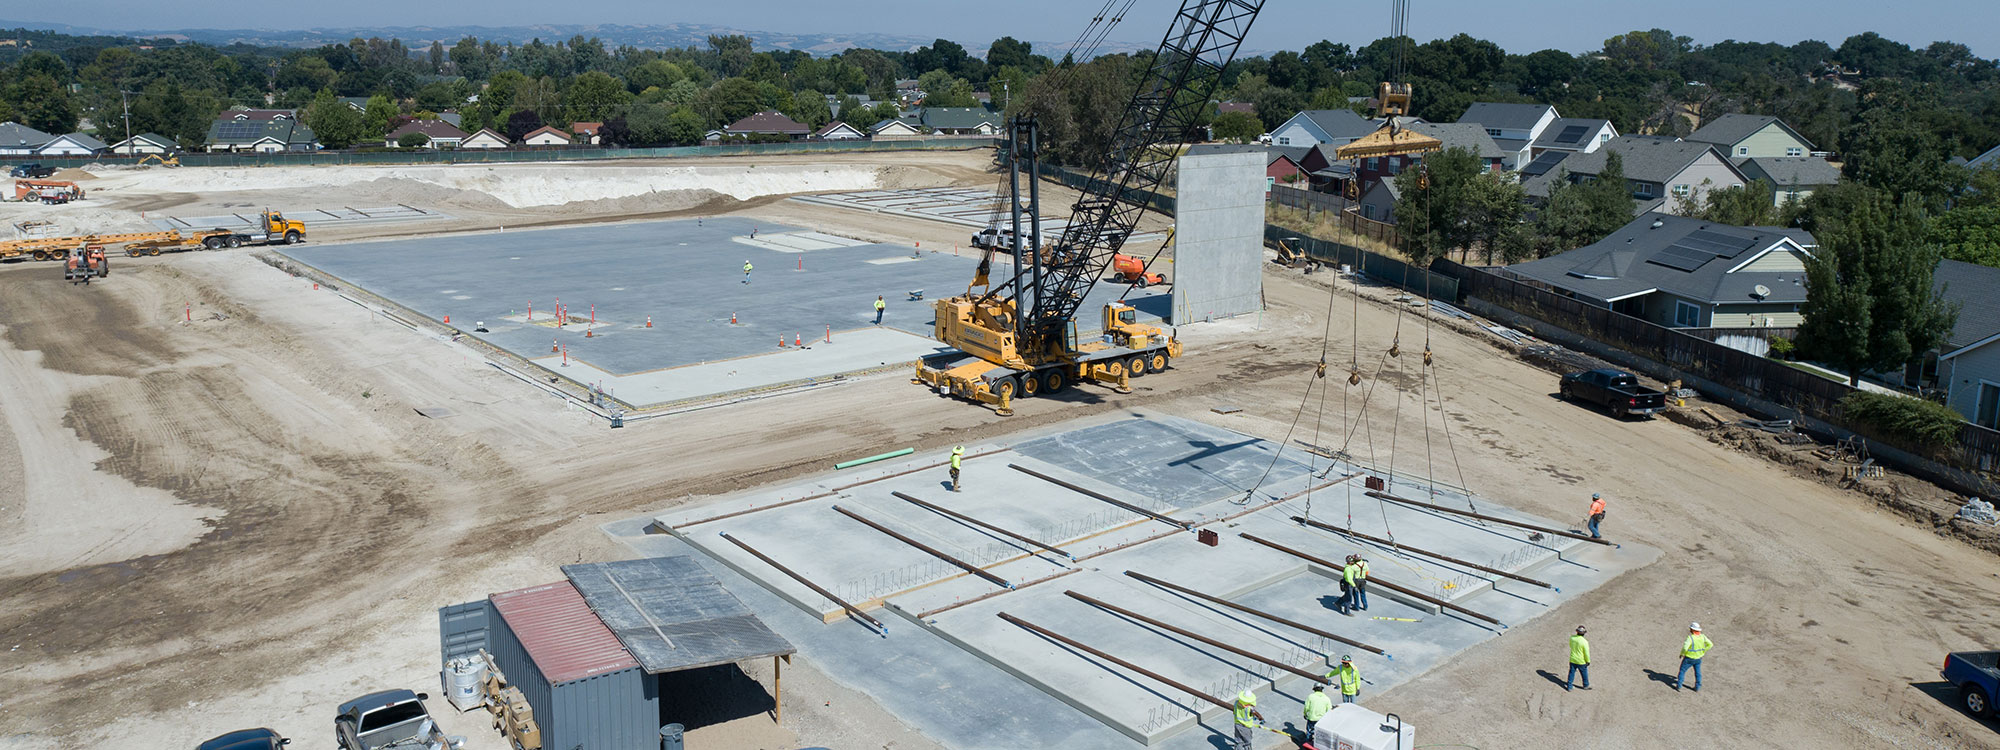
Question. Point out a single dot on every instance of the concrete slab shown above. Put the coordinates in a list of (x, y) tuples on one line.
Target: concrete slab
[(1195, 471), (313, 217), (686, 278)]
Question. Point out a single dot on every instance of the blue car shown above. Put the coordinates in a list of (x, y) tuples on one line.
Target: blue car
[(246, 739), (1977, 675)]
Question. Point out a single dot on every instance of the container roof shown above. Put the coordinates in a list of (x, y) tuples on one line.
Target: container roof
[(561, 634), (673, 614)]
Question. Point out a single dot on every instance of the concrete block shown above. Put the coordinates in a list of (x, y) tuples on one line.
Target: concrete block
[(1218, 236)]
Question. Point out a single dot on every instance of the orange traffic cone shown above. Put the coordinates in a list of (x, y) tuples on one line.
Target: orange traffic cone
[(587, 333), (798, 340), (649, 321), (554, 346), (732, 318), (447, 319), (781, 342)]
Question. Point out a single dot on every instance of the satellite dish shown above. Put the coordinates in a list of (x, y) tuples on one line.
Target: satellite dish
[(1760, 291)]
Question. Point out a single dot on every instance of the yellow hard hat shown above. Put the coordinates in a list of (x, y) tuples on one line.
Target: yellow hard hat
[(1247, 698)]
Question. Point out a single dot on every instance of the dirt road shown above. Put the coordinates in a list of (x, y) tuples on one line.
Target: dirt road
[(242, 520)]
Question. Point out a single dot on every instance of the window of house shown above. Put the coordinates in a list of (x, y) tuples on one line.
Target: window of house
[(1644, 189), (1989, 405), (1370, 164), (1603, 137), (1367, 211), (1495, 132), (1285, 140), (1686, 315), (1795, 151), (1681, 190), (1395, 167), (1742, 150)]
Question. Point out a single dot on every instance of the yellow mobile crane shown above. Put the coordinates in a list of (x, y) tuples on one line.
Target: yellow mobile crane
[(1021, 338)]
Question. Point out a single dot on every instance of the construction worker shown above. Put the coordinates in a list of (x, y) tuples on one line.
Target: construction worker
[(1317, 704), (1348, 678), (1579, 659), (1247, 718), (879, 307), (1696, 646), (957, 453), (746, 271), (1361, 582), (1349, 578), (1596, 514)]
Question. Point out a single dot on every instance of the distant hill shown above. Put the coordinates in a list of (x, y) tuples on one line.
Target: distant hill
[(648, 36)]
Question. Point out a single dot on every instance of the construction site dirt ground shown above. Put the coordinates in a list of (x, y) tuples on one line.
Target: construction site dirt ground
[(242, 520)]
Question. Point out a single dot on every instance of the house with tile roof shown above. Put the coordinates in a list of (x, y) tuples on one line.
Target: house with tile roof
[(1655, 170), (20, 140), (1333, 127), (768, 122), (258, 115), (1683, 272), (1740, 136), (1968, 362), (1792, 178), (440, 133), (1512, 127)]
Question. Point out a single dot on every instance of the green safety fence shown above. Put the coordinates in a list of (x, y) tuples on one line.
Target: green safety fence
[(519, 155)]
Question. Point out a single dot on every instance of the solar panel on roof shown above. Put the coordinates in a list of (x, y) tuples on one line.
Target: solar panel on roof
[(1723, 245), (1542, 164), (1572, 134), (1681, 258)]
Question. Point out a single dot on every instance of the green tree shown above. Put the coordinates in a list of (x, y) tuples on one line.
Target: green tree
[(1741, 205), (1577, 214), (731, 99), (1450, 201), (1869, 299), (305, 71), (808, 108), (1968, 233), (1889, 151), (594, 97), (655, 73), (883, 111), (43, 104), (1009, 51), (1241, 127), (332, 121), (412, 140), (684, 127), (648, 123), (375, 118)]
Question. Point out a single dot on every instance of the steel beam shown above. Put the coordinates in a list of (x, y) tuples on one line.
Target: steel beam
[(1107, 606), (1372, 580), (987, 526), (1254, 611), (1073, 643), (836, 490), (969, 567), (1427, 553), (1162, 518), (851, 609), (1484, 517)]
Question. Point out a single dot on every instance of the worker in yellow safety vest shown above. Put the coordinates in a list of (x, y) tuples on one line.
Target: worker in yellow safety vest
[(1348, 678), (1247, 718), (1361, 582), (1695, 647), (1579, 659), (957, 453), (746, 272), (1317, 704), (879, 307), (1350, 575)]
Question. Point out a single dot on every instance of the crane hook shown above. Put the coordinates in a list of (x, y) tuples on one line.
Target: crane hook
[(1354, 377), (1396, 348), (1320, 371), (1427, 356)]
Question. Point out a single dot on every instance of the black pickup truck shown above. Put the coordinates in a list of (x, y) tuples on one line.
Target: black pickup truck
[(1617, 391), (31, 171)]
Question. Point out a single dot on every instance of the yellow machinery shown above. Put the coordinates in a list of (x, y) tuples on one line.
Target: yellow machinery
[(164, 161), (273, 228), (278, 229)]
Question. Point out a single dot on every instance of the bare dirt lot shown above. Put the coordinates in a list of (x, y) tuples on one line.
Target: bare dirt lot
[(242, 520)]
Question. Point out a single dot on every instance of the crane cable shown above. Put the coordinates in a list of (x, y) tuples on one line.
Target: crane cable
[(1319, 373)]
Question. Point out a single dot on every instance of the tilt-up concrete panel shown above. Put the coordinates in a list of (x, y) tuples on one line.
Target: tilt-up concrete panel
[(1218, 236)]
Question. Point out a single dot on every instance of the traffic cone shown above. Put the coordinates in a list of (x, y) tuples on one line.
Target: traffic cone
[(447, 319), (554, 346), (649, 321), (588, 333), (315, 286), (781, 342), (829, 334), (798, 341), (732, 318)]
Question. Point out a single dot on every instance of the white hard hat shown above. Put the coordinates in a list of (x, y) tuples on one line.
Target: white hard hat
[(1247, 698), (1695, 626)]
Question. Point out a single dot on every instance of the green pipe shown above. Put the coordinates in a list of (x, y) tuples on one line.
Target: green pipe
[(874, 458)]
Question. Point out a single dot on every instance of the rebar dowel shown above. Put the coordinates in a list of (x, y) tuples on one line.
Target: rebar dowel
[(1424, 552), (1372, 580), (1162, 518), (984, 525), (1197, 636), (1073, 643), (1254, 611), (1484, 517), (969, 567), (851, 609)]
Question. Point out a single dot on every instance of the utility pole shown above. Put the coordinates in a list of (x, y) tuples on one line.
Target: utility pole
[(127, 102)]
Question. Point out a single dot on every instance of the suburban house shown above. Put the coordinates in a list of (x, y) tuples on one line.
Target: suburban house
[(457, 120), (1513, 127), (73, 144), (893, 130), (961, 121), (485, 138), (1655, 170), (1574, 135), (441, 133), (1741, 136), (838, 131), (258, 115), (145, 143), (1321, 163), (1283, 167), (1333, 127), (1379, 203), (1462, 135), (20, 140), (547, 136), (1792, 178), (1685, 273), (768, 122), (587, 132), (1968, 362), (238, 131), (1983, 161), (356, 103), (862, 102)]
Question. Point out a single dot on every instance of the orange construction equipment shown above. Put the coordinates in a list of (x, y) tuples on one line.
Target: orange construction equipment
[(86, 265), (1133, 271), (53, 191)]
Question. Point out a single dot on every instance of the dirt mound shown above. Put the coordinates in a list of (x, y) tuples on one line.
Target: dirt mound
[(74, 174)]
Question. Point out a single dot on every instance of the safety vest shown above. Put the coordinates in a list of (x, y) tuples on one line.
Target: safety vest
[(1317, 705), (879, 304), (1349, 573), (1696, 645), (1363, 575), (1243, 716), (1597, 506), (746, 266), (1349, 678), (1579, 650), (955, 455)]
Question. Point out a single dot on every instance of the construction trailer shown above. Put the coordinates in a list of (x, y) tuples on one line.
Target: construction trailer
[(588, 653)]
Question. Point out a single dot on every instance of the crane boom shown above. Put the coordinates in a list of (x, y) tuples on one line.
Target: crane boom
[(1162, 116)]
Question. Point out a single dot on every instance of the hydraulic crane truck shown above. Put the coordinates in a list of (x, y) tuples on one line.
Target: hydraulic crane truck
[(1021, 338)]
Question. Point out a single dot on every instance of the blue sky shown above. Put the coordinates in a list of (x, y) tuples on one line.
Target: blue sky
[(1520, 26)]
